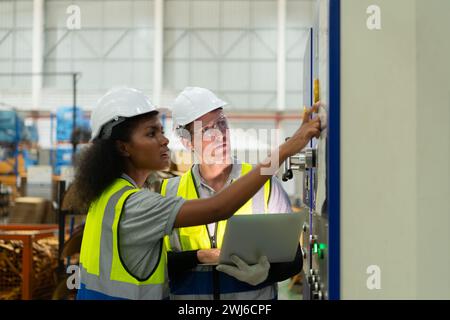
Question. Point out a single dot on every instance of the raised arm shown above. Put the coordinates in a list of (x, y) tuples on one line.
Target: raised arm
[(223, 205)]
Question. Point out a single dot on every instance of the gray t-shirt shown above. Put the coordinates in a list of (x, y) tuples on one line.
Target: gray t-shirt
[(146, 218)]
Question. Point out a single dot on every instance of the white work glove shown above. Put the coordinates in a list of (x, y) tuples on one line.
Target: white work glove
[(253, 275)]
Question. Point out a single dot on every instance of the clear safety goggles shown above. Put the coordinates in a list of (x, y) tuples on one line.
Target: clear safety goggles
[(221, 124)]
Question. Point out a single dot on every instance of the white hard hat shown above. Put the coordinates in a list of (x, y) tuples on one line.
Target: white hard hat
[(116, 105), (192, 103)]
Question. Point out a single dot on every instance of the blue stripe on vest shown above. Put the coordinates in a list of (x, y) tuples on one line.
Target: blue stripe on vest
[(201, 283), (88, 294)]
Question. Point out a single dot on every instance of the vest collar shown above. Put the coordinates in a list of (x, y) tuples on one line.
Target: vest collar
[(129, 179), (234, 174)]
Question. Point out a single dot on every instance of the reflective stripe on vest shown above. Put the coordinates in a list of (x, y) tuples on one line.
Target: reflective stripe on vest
[(198, 283), (101, 266)]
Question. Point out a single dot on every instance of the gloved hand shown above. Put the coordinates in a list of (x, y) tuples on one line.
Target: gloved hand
[(253, 275)]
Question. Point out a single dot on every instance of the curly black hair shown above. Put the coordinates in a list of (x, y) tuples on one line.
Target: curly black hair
[(100, 164)]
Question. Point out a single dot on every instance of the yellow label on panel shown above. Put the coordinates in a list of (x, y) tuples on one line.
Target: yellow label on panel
[(316, 90)]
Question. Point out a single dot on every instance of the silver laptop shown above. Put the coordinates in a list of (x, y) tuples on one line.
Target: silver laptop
[(254, 235)]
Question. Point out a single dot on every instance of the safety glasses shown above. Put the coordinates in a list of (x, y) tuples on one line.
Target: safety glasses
[(220, 124)]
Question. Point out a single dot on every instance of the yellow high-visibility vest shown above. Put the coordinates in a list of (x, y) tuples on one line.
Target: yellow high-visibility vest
[(101, 267)]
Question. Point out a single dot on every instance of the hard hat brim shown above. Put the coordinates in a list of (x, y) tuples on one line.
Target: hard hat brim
[(152, 112)]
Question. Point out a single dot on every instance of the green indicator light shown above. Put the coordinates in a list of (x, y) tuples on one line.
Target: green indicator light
[(322, 247), (315, 248)]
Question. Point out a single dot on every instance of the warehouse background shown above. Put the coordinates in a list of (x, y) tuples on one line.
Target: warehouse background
[(227, 46), (248, 52)]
